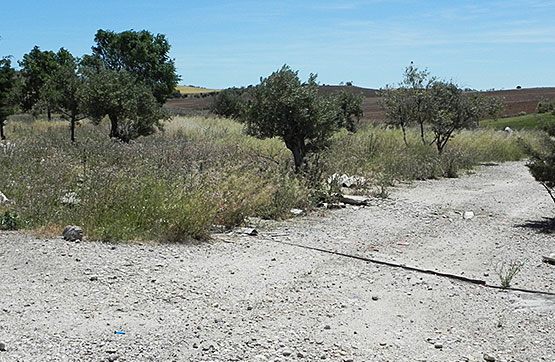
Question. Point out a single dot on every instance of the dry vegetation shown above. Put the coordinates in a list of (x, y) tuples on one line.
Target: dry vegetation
[(204, 171)]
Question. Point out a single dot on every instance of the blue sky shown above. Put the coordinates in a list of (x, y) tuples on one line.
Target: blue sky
[(478, 44)]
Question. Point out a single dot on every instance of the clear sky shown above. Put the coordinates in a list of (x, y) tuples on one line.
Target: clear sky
[(479, 44)]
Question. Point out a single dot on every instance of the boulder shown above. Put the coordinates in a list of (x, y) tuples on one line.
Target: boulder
[(73, 233), (508, 130)]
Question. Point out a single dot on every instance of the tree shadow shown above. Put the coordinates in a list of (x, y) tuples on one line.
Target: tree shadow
[(546, 225)]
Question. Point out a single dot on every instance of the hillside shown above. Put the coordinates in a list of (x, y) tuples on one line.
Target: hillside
[(516, 100)]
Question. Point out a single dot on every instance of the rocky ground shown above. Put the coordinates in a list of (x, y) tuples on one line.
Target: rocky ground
[(253, 298)]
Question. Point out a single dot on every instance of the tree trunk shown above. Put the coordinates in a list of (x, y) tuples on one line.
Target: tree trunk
[(404, 134), (72, 126), (49, 112), (114, 126), (422, 132), (298, 148), (2, 137)]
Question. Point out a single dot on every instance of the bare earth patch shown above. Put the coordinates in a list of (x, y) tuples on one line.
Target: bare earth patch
[(252, 298)]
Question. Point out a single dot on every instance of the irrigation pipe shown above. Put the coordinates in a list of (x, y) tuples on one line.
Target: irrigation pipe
[(416, 269)]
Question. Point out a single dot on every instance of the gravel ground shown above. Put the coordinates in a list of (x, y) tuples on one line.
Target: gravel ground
[(250, 298)]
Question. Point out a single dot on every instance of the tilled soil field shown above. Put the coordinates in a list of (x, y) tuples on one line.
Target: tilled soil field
[(255, 298)]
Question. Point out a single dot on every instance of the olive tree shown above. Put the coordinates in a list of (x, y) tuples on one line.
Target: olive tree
[(349, 109), (62, 91), (283, 106), (142, 54), (7, 84), (36, 68), (130, 105), (128, 78), (451, 109), (409, 101), (228, 103)]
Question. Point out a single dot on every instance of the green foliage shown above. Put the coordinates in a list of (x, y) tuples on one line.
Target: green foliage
[(228, 103), (36, 68), (63, 90), (349, 110), (441, 106), (282, 106), (9, 220), (7, 85), (542, 161), (546, 107), (410, 101), (140, 53), (128, 78), (132, 109)]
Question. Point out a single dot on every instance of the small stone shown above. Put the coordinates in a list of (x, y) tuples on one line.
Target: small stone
[(93, 278), (438, 345), (489, 358), (327, 326), (296, 212), (300, 355), (286, 352), (468, 215), (375, 297), (2, 347), (382, 343), (112, 358)]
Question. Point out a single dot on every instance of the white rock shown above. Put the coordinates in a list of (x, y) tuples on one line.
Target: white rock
[(248, 231), (468, 215), (297, 212), (508, 130), (3, 199)]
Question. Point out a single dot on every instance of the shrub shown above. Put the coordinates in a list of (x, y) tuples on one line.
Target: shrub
[(9, 220)]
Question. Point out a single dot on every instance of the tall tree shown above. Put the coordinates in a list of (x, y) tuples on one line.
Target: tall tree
[(128, 78), (130, 105), (36, 68), (451, 109), (409, 102), (62, 91), (141, 53), (282, 106), (7, 84), (349, 109)]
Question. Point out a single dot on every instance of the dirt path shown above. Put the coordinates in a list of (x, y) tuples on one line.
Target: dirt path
[(253, 299)]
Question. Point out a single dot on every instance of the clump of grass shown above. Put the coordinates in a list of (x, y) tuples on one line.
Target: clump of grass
[(9, 220), (507, 271)]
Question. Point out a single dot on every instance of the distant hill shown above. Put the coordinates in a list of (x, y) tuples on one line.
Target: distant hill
[(516, 100)]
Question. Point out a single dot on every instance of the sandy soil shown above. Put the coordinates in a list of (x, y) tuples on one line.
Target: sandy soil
[(250, 298)]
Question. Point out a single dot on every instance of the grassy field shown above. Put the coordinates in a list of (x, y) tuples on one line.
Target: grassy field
[(195, 90), (528, 121), (175, 185)]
